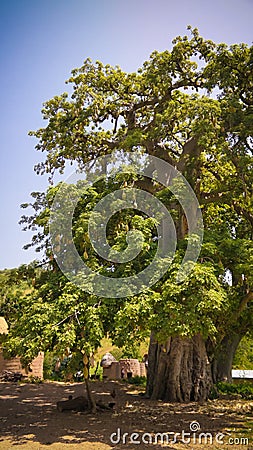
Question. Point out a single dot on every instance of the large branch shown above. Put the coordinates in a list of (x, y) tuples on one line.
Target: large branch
[(159, 102), (190, 149), (219, 197), (162, 153), (241, 210), (243, 304)]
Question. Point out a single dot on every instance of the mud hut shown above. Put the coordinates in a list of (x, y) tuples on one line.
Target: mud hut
[(14, 364), (125, 368)]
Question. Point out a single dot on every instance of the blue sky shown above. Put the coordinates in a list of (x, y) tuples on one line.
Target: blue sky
[(42, 41)]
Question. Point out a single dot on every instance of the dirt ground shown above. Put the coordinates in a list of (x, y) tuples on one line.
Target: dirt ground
[(29, 420)]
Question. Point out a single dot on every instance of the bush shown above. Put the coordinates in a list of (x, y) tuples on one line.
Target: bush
[(244, 388), (48, 365), (137, 380), (32, 380), (67, 370), (99, 372)]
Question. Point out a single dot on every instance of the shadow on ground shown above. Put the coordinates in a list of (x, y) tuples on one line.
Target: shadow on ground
[(29, 419)]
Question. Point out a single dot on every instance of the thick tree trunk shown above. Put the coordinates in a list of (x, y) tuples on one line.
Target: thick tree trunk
[(178, 371), (223, 358)]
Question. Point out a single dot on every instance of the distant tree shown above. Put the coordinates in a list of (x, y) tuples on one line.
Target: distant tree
[(14, 283)]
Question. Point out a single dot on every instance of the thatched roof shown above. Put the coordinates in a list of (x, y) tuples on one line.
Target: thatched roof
[(3, 326)]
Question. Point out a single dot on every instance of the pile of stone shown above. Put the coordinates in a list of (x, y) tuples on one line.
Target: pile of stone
[(7, 375)]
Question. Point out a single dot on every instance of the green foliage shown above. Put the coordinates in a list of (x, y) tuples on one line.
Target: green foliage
[(67, 366), (243, 388), (243, 358), (96, 374), (137, 381), (117, 353), (49, 365), (32, 380)]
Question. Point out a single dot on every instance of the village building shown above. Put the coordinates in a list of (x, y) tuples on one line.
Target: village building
[(13, 365), (124, 368)]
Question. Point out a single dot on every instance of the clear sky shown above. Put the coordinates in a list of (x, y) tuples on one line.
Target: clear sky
[(41, 41)]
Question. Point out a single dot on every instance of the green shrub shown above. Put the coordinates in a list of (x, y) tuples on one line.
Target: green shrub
[(244, 388), (32, 380), (48, 365), (99, 372), (137, 380)]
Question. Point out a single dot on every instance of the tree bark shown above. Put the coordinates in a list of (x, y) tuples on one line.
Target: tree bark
[(178, 371), (91, 402), (223, 357)]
